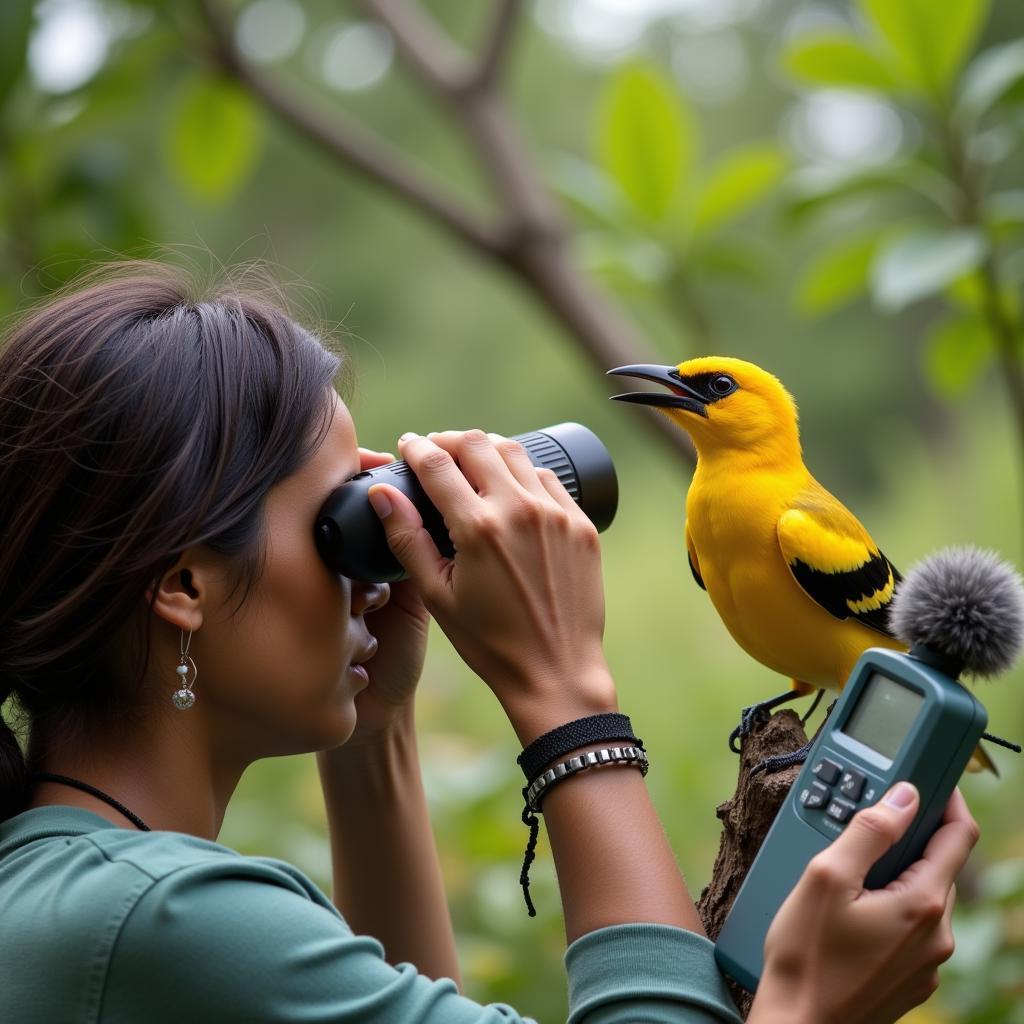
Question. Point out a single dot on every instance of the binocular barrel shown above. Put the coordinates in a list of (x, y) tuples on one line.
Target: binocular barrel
[(351, 539)]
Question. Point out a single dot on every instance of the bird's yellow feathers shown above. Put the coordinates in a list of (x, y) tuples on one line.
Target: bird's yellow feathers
[(834, 559)]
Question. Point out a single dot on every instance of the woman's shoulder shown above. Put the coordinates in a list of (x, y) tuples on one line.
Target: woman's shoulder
[(95, 902), (163, 854), (72, 848)]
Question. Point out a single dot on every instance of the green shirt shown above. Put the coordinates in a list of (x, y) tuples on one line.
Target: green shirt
[(105, 925)]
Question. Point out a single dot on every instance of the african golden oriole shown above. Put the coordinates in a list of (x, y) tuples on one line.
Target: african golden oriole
[(795, 577)]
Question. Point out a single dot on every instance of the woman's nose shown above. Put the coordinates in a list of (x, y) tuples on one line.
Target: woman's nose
[(368, 597)]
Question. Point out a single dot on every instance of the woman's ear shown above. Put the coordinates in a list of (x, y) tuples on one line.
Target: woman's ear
[(182, 593)]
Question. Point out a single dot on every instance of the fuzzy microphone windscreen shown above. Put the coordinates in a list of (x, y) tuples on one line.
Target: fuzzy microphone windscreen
[(965, 603)]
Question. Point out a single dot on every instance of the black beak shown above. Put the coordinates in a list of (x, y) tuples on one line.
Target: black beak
[(680, 395)]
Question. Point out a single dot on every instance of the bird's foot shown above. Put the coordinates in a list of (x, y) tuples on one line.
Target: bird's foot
[(777, 762), (757, 714), (748, 718)]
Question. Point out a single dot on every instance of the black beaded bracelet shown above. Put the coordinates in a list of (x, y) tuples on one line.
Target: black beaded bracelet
[(566, 738)]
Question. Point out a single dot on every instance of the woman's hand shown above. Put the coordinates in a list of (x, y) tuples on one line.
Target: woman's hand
[(400, 628), (839, 952), (523, 601)]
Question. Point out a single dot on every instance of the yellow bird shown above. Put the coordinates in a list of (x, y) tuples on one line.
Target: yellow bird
[(795, 577)]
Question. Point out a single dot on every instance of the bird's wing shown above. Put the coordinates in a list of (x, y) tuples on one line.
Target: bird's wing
[(691, 556), (835, 561)]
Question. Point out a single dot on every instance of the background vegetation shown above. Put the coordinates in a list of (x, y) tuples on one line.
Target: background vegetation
[(831, 189)]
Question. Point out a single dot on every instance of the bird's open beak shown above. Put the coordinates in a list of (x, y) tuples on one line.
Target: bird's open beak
[(680, 396)]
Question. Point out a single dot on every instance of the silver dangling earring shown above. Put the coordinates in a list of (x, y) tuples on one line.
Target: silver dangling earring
[(184, 698)]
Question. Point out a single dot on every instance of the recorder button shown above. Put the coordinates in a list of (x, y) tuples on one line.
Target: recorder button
[(816, 795), (852, 784), (828, 771), (841, 810)]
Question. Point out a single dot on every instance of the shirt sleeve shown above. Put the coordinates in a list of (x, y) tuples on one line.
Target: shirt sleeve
[(240, 946)]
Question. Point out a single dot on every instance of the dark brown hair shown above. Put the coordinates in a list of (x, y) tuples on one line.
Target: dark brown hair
[(136, 420)]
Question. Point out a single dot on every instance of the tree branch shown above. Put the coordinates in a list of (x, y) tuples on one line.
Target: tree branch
[(746, 818), (447, 70), (434, 57), (529, 237), (352, 144), (495, 47)]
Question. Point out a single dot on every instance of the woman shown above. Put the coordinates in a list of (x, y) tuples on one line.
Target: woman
[(157, 453)]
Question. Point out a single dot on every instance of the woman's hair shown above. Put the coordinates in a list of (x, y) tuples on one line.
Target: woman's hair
[(136, 420)]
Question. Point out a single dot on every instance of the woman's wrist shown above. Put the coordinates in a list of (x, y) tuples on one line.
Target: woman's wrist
[(537, 708), (377, 755), (776, 1003)]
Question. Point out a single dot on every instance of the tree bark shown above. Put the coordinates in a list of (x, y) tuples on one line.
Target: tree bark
[(746, 818)]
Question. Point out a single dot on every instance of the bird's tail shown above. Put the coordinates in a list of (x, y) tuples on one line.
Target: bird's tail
[(980, 762)]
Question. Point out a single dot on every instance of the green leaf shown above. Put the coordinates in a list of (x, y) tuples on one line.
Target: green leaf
[(747, 259), (956, 352), (836, 275), (930, 39), (588, 191), (990, 77), (838, 59), (646, 137), (968, 293), (737, 182), (630, 266), (15, 26), (1002, 209), (214, 138), (814, 187), (1013, 268), (919, 264), (995, 144)]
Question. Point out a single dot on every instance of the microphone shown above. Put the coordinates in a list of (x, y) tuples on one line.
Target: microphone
[(961, 610)]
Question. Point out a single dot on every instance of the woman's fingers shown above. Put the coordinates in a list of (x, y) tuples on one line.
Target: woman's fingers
[(408, 539), (946, 853), (443, 481), (485, 472), (369, 459), (479, 460), (956, 808), (871, 832), (519, 464), (548, 479)]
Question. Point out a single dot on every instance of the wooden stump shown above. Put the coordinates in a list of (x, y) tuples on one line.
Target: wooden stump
[(746, 818)]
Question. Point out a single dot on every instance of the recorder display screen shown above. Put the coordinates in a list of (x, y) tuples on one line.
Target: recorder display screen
[(883, 715)]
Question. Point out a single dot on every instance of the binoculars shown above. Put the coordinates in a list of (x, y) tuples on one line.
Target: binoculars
[(351, 540)]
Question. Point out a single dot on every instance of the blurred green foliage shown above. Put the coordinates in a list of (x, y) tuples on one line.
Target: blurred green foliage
[(723, 217), (966, 241)]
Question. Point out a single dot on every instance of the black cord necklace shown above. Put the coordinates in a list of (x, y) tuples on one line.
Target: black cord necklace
[(116, 804)]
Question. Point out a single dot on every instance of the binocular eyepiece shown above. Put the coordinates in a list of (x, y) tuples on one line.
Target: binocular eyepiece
[(351, 539)]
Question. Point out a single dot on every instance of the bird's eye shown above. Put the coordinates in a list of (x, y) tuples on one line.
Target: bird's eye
[(722, 384)]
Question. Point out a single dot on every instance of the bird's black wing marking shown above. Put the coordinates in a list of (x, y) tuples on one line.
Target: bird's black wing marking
[(696, 575), (832, 590)]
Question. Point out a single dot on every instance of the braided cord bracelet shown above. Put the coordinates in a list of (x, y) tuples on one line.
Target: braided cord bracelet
[(534, 792), (566, 738)]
